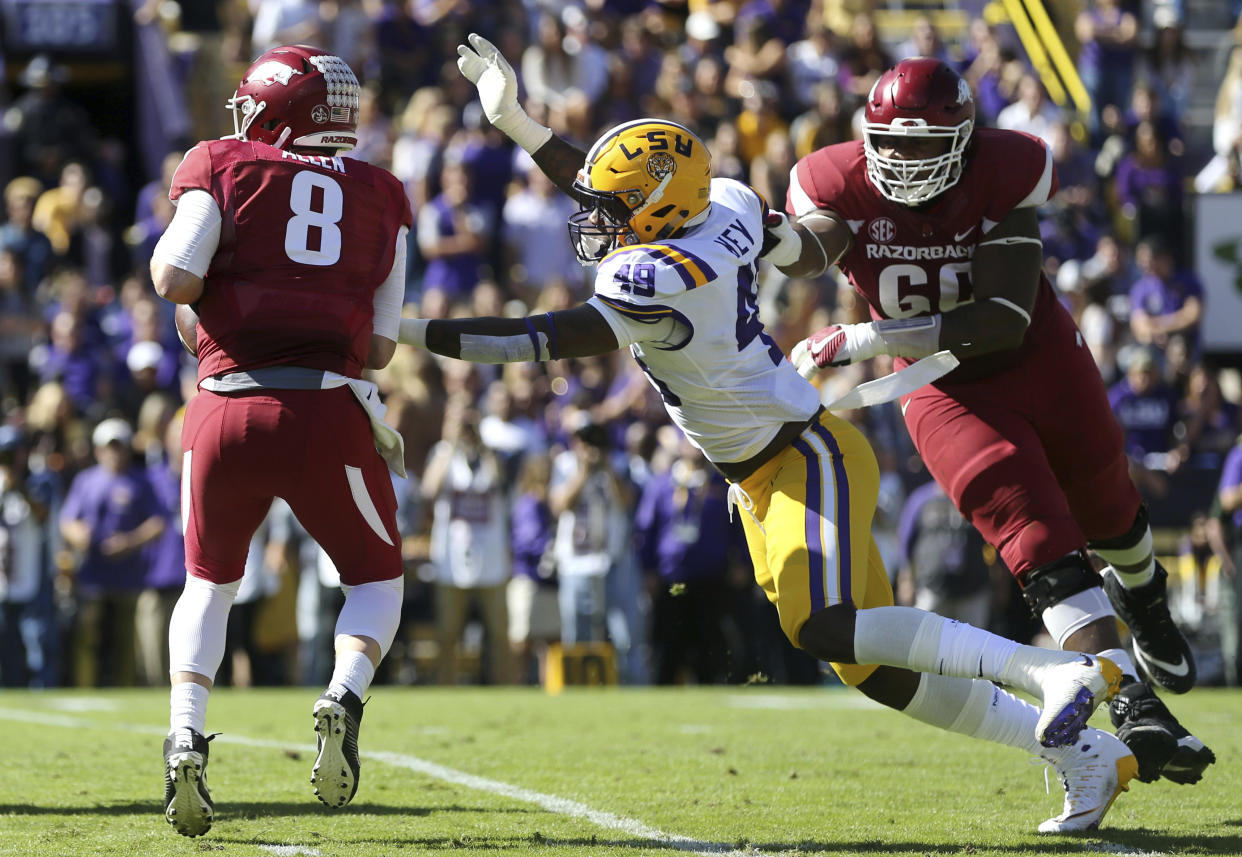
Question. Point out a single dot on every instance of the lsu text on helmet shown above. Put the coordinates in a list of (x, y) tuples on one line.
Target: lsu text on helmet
[(642, 181), (923, 98), (297, 96)]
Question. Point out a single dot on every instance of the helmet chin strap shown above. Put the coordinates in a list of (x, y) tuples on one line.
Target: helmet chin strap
[(698, 218), (241, 129), (655, 196)]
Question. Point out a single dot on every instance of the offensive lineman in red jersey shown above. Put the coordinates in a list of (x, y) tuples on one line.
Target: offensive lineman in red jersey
[(934, 224), (294, 259)]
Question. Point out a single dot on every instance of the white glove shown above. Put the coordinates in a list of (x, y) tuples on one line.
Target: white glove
[(782, 245), (835, 345), (485, 67)]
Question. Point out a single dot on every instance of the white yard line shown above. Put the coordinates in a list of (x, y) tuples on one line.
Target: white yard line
[(551, 803), (291, 850)]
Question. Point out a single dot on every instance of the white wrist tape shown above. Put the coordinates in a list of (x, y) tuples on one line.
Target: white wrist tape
[(502, 349), (521, 129), (909, 337), (413, 331), (788, 249)]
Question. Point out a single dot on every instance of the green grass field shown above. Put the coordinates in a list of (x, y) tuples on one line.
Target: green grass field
[(752, 771)]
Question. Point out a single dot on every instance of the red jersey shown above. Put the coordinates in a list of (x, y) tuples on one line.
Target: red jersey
[(305, 241), (908, 262)]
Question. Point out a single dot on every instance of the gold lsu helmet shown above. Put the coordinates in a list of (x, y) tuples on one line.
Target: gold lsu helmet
[(642, 181)]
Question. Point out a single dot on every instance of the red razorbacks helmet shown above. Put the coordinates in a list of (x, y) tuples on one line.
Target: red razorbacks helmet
[(918, 97), (297, 96)]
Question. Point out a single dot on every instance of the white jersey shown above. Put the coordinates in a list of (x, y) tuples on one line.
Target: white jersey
[(687, 309)]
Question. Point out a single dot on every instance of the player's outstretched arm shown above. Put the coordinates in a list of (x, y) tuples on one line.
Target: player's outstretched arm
[(483, 65), (577, 332)]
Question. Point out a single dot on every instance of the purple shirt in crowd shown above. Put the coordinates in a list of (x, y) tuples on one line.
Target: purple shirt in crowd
[(78, 371), (530, 529), (110, 503), (455, 275), (1152, 188), (1147, 419), (687, 544), (166, 555), (1154, 296)]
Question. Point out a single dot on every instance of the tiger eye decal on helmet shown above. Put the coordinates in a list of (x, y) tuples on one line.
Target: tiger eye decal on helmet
[(642, 181)]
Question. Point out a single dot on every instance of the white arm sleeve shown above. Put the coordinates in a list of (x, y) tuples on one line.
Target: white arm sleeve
[(391, 294), (191, 239)]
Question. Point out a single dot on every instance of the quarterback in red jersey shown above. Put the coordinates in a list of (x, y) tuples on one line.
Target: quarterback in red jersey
[(933, 222), (293, 258)]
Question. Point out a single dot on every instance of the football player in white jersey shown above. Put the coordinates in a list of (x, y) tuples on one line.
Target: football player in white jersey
[(676, 254)]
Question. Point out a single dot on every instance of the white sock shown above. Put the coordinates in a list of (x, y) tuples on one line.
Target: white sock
[(187, 703), (1134, 565), (1122, 659), (928, 643), (977, 709), (353, 671)]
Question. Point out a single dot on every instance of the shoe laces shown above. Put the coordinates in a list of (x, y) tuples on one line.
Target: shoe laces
[(1143, 704), (1059, 760), (1048, 764), (1081, 789)]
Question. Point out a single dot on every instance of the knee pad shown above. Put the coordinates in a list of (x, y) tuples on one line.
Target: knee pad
[(1050, 584), (1139, 529), (372, 610)]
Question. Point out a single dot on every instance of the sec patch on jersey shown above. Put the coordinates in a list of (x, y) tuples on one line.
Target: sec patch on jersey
[(187, 327)]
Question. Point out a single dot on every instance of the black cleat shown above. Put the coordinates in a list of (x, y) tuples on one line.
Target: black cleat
[(335, 775), (187, 802), (1163, 747), (1160, 649)]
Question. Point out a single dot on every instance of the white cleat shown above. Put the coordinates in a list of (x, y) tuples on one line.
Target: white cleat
[(335, 774), (1093, 772), (1071, 692), (187, 801)]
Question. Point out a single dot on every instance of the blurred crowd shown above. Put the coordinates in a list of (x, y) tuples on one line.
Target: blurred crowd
[(554, 503)]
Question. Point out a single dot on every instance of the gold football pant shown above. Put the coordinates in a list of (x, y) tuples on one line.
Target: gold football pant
[(809, 531)]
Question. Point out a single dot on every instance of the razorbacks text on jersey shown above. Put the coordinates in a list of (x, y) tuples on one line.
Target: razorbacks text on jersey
[(908, 262), (305, 242), (687, 309)]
